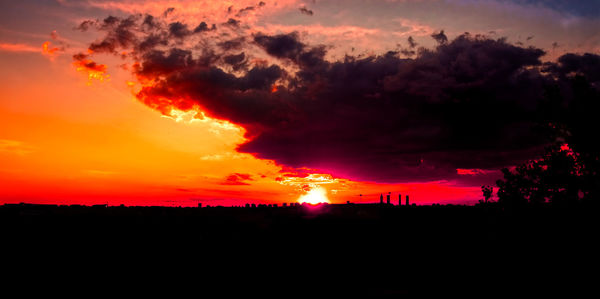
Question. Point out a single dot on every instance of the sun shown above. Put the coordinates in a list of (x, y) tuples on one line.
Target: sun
[(315, 196)]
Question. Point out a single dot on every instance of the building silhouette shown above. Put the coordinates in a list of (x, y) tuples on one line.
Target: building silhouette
[(399, 199), (407, 203), (381, 198), (388, 199)]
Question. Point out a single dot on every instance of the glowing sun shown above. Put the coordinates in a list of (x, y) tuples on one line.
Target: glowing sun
[(314, 196)]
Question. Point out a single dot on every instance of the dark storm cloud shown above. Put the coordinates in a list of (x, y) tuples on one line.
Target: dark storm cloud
[(168, 11), (587, 65), (232, 44), (233, 23), (119, 33), (288, 46), (470, 103), (306, 11), (280, 46), (244, 10), (179, 30), (85, 25), (151, 41), (204, 27), (237, 62), (467, 104)]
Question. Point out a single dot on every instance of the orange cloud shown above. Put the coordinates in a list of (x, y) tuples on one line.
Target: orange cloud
[(207, 10), (8, 47), (94, 70), (474, 171), (412, 28), (48, 50)]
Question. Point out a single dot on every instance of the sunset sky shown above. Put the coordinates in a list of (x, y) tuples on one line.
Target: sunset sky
[(231, 102)]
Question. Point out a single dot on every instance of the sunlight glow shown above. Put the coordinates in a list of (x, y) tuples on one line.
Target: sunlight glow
[(315, 196), (184, 116)]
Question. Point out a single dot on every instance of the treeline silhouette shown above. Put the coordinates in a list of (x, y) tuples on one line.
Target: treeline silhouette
[(369, 250)]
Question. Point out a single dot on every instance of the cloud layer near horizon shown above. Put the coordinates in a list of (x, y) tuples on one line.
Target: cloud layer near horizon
[(410, 115)]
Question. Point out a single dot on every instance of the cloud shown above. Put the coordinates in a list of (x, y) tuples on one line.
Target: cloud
[(179, 30), (237, 179), (215, 10), (469, 103), (9, 47), (461, 171), (306, 11), (587, 65), (49, 50), (94, 71), (54, 35), (204, 27)]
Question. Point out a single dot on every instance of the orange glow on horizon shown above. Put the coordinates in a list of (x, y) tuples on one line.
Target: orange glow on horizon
[(315, 196)]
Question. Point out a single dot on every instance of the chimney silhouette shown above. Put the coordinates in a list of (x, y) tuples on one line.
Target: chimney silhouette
[(399, 199), (381, 198), (407, 200)]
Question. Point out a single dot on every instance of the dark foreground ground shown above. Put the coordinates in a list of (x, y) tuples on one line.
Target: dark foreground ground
[(333, 250)]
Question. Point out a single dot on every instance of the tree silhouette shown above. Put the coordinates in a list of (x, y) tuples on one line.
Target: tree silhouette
[(555, 178), (487, 193), (569, 170)]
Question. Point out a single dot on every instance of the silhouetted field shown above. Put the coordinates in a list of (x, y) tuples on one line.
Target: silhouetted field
[(366, 250)]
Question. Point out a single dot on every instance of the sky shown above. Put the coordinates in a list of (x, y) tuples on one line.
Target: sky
[(177, 103)]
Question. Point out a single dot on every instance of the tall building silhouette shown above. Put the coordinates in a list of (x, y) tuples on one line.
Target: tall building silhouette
[(388, 199), (381, 198), (399, 199), (407, 200)]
